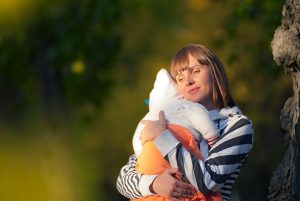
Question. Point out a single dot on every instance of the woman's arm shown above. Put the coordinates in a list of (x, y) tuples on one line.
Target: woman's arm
[(131, 184), (224, 159), (223, 163)]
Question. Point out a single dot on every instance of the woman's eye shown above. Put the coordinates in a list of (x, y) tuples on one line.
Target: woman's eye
[(196, 71), (179, 79)]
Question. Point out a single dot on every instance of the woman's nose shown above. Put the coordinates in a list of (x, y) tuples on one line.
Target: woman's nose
[(189, 80)]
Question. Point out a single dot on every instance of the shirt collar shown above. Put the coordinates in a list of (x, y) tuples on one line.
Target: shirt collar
[(224, 113)]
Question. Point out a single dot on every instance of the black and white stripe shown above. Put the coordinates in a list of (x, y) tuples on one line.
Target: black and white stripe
[(128, 180), (217, 173), (227, 187)]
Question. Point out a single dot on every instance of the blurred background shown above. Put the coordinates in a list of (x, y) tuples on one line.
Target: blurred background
[(74, 75)]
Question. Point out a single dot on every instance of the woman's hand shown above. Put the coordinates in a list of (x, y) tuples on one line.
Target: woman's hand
[(153, 129), (169, 186)]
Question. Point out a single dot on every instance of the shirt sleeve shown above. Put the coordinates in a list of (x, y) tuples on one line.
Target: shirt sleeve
[(131, 184), (165, 142), (224, 158)]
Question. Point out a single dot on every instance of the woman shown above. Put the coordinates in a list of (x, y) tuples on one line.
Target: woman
[(200, 77)]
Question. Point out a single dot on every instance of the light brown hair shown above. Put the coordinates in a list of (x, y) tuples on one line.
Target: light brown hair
[(221, 94)]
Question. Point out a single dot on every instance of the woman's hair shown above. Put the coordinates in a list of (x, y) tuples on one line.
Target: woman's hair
[(221, 94)]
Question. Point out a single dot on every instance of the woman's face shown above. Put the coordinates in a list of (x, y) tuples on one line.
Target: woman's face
[(195, 83)]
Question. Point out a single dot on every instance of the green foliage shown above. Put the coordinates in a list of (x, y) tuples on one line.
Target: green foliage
[(67, 55), (262, 12), (63, 52), (239, 32)]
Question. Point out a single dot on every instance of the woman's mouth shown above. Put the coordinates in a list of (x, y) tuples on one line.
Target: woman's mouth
[(193, 90)]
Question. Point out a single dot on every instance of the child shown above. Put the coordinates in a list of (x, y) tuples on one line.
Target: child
[(188, 122)]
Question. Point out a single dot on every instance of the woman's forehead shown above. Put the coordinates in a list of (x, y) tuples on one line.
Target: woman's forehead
[(181, 69), (181, 63), (186, 62)]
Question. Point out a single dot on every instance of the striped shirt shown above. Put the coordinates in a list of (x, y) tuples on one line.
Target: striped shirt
[(217, 173)]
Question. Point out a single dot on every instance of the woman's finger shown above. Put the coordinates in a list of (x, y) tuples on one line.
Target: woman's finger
[(179, 193), (161, 115), (182, 193), (174, 199), (172, 171), (145, 121), (185, 186), (176, 194)]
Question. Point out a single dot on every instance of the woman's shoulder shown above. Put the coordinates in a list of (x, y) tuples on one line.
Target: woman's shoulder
[(233, 117), (233, 113)]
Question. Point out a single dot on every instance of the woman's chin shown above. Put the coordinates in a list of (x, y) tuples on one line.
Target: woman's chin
[(193, 99)]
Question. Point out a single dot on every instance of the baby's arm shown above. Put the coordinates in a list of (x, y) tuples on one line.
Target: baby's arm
[(199, 118)]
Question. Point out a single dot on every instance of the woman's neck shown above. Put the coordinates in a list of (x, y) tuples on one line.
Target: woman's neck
[(210, 106), (214, 108)]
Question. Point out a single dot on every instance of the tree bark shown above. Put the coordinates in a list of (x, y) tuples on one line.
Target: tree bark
[(285, 182)]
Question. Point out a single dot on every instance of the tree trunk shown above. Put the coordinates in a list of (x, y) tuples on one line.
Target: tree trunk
[(285, 182)]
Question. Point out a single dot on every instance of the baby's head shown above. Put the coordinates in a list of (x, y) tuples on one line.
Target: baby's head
[(164, 90)]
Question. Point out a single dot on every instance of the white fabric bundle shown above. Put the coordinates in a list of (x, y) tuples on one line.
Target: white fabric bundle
[(164, 96)]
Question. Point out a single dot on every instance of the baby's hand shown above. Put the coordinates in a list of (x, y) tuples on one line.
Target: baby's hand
[(153, 129)]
